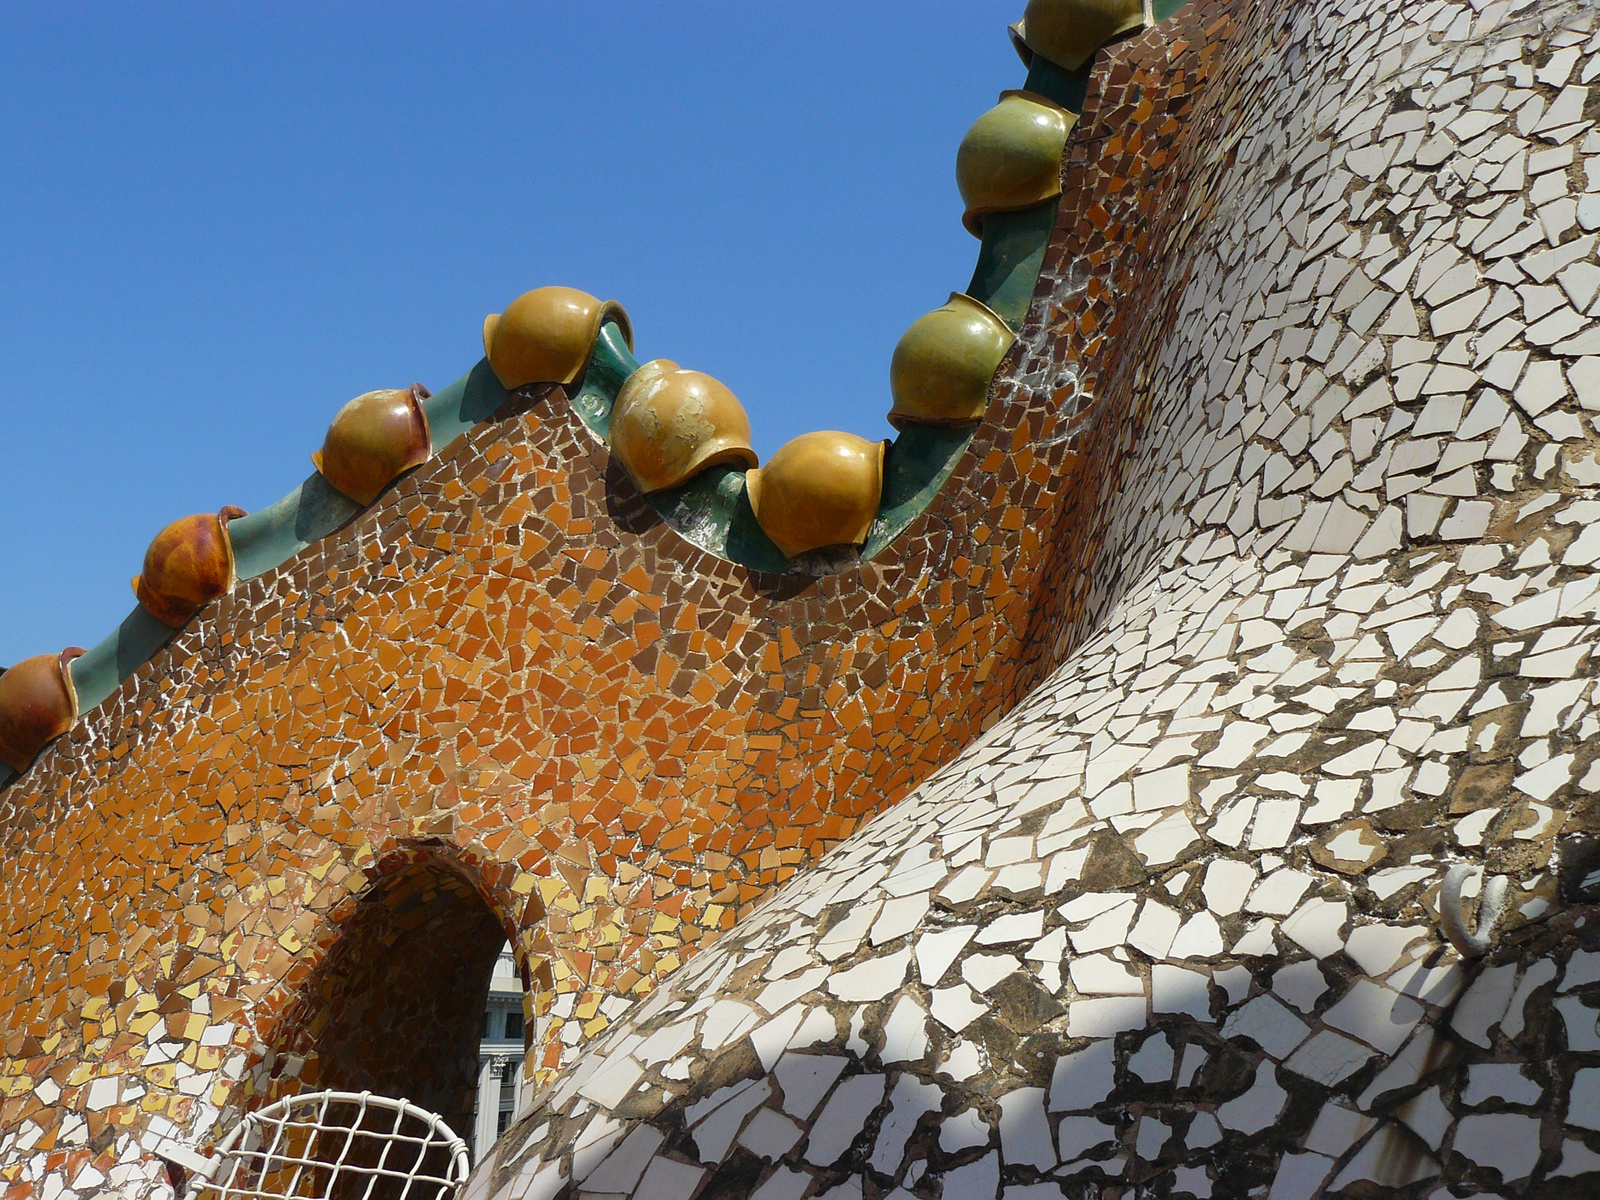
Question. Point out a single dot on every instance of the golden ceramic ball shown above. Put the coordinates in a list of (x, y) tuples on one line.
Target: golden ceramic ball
[(37, 705), (669, 424), (943, 366), (819, 490), (1011, 157), (189, 564), (547, 335), (1068, 32), (375, 439)]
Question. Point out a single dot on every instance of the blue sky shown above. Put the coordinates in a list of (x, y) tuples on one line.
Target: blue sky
[(219, 222)]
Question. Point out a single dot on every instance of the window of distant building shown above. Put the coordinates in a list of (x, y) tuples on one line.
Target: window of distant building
[(500, 1055)]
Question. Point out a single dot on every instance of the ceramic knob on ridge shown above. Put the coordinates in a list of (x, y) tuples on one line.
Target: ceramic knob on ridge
[(1068, 32), (1011, 157), (669, 424), (37, 705), (547, 335), (375, 439), (189, 564), (944, 364), (821, 489)]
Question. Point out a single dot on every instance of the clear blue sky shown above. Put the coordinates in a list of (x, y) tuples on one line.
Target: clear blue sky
[(221, 221)]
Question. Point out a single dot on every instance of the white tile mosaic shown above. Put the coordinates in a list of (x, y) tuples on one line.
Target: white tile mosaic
[(1338, 641)]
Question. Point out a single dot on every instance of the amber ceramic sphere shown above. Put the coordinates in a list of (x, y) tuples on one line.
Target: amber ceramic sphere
[(1011, 157), (188, 565), (669, 424), (37, 705), (376, 438), (821, 489), (1067, 32), (547, 335), (942, 368)]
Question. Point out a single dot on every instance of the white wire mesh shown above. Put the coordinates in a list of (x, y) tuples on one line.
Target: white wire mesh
[(339, 1146)]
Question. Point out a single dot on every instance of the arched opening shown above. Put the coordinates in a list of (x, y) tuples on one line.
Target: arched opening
[(397, 1006)]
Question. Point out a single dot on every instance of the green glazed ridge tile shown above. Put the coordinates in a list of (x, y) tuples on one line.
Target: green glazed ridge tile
[(611, 363)]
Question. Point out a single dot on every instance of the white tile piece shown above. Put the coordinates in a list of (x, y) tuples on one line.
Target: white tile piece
[(1387, 1160), (805, 1079), (1100, 1018), (1200, 937), (1504, 1082), (1269, 1024), (1300, 984), (910, 1101), (819, 1026), (843, 1118), (1258, 939), (1317, 925), (1279, 893), (1337, 1128), (772, 1038), (1426, 1115), (1576, 1158), (845, 938), (1583, 1106), (898, 918), (1506, 1142), (1437, 984), (1404, 1069), (1380, 1017), (1376, 948), (1484, 1003), (1101, 975), (1153, 1061), (1258, 1107), (1175, 989), (770, 1135), (905, 1037), (979, 1180), (1167, 840), (1078, 1136), (621, 1170), (782, 1184), (1153, 933), (1024, 1130), (984, 971), (1106, 930), (1014, 927), (935, 951), (727, 1021), (1581, 1023), (608, 1087), (715, 1130), (873, 979), (1299, 1176), (1082, 1077), (1227, 883), (965, 1129), (964, 1061), (957, 1007)]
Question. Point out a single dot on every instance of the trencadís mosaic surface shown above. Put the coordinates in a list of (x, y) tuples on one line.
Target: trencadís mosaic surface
[(1236, 677)]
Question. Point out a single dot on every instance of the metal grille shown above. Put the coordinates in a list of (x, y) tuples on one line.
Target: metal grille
[(339, 1146)]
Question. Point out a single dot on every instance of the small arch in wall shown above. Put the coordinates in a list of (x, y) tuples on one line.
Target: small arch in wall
[(396, 1004)]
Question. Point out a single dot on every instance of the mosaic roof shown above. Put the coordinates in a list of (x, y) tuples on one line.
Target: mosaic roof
[(1193, 798)]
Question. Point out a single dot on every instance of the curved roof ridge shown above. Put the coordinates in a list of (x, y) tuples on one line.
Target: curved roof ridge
[(713, 510)]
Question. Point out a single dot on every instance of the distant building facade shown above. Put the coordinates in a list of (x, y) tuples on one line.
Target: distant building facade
[(500, 1053)]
